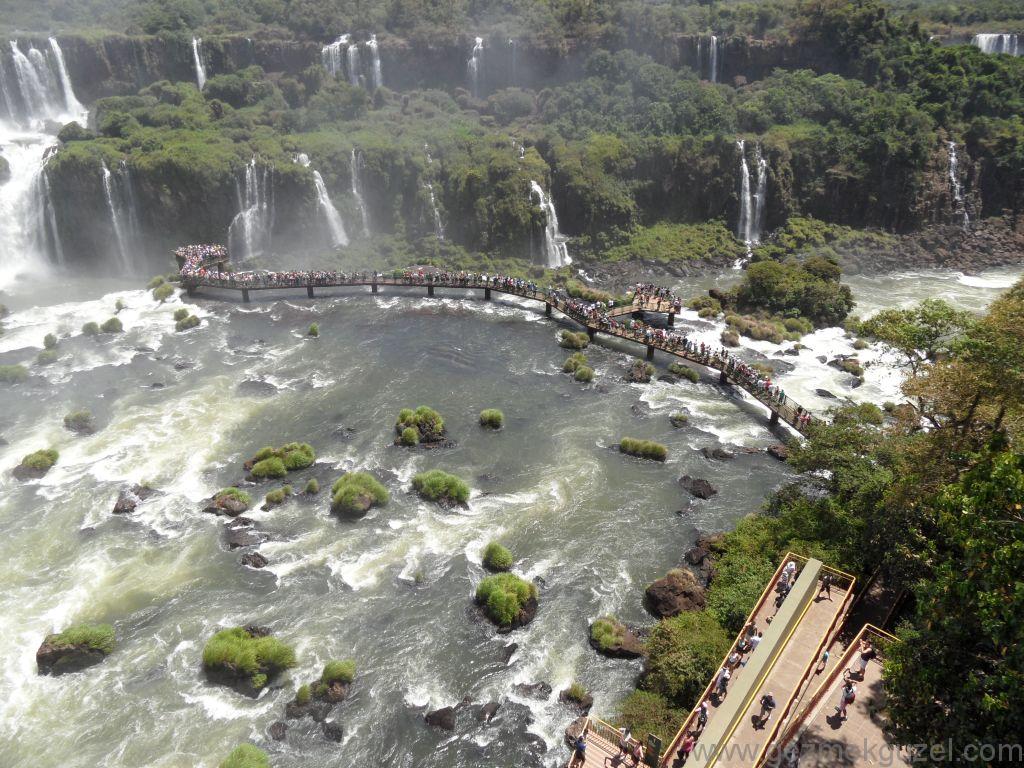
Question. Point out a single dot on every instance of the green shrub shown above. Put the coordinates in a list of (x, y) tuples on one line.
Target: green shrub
[(706, 313), (338, 672), (314, 330), (644, 449), (496, 558), (246, 756), (49, 341), (646, 712), (99, 637), (271, 468), (573, 362), (441, 487), (492, 418), (12, 374), (410, 437), (41, 460), (503, 596), (576, 692), (573, 340), (156, 282), (90, 329), (113, 325), (276, 496), (257, 658), (46, 357), (860, 344), (163, 292), (683, 372), (180, 314), (578, 290), (607, 632), (187, 323), (355, 493), (679, 419), (234, 493), (584, 374), (302, 696), (79, 421), (701, 303), (852, 366), (426, 421), (312, 487), (683, 652), (730, 338)]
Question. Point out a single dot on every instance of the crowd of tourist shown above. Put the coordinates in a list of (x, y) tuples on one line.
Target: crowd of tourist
[(202, 264)]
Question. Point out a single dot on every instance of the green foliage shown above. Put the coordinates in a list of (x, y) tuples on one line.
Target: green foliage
[(644, 449), (155, 283), (921, 334), (410, 437), (573, 339), (303, 695), (503, 596), (163, 292), (246, 755), (583, 374), (578, 290), (186, 323), (574, 362), (607, 633), (276, 496), (272, 462), (426, 421), (49, 341), (269, 468), (666, 242), (46, 357), (794, 290), (730, 338), (338, 672), (492, 418), (180, 314), (99, 637), (74, 132), (234, 493), (496, 558), (684, 372), (312, 487), (113, 325), (683, 653), (12, 374), (257, 658), (644, 712), (90, 329), (41, 460), (314, 330), (79, 421), (576, 692), (441, 487), (355, 493)]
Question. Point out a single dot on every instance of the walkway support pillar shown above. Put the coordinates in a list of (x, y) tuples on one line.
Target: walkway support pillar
[(591, 333), (373, 288), (547, 310), (245, 295), (430, 289), (650, 351), (487, 294), (671, 322), (309, 291), (774, 420), (723, 379), (190, 290)]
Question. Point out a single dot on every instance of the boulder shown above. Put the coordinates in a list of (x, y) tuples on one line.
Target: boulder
[(582, 706), (574, 729), (254, 560), (509, 651), (539, 690), (721, 454), (278, 730), (488, 711), (779, 451), (129, 498), (629, 647), (674, 593), (825, 394), (697, 486), (318, 710), (442, 718), (58, 659), (240, 536), (678, 420), (257, 388), (333, 731), (25, 472)]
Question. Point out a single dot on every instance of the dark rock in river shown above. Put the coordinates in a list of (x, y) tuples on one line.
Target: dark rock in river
[(25, 472), (574, 729), (254, 560), (779, 451), (58, 659), (130, 498), (717, 453), (539, 690), (629, 647), (255, 388), (582, 706), (442, 718), (509, 651), (278, 730), (526, 614), (699, 487), (825, 393), (333, 731), (238, 536), (674, 593), (488, 711)]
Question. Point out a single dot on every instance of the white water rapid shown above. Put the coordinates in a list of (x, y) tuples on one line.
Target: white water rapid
[(250, 232), (197, 58), (556, 252)]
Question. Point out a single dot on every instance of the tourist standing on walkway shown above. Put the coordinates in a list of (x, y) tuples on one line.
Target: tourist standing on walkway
[(846, 697), (579, 755), (826, 586), (702, 714), (867, 653), (723, 681), (686, 747), (767, 705)]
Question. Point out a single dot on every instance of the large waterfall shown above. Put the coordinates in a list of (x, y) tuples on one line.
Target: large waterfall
[(250, 232), (474, 66), (355, 165), (330, 55), (752, 196), (999, 43), (335, 224), (377, 76), (354, 67), (197, 58), (71, 104), (556, 252), (956, 190), (120, 204)]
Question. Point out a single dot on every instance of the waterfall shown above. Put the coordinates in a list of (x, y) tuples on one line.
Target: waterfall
[(355, 163), (999, 43), (330, 55), (46, 235), (335, 225), (197, 57), (752, 197), (474, 65), (32, 82), (556, 253), (250, 232), (438, 224), (70, 102), (714, 59), (959, 205), (120, 220), (512, 53), (352, 55), (378, 75)]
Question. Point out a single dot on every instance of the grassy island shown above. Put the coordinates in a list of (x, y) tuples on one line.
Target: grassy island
[(492, 418), (425, 423), (270, 463), (496, 558), (441, 488), (113, 325), (643, 449), (354, 494), (12, 374), (186, 323), (507, 600), (98, 637), (246, 756), (246, 656), (574, 340)]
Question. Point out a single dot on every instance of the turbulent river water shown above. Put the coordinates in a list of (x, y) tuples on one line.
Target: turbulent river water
[(392, 591)]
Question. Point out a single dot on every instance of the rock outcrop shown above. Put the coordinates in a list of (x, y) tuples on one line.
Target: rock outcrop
[(674, 593), (697, 486)]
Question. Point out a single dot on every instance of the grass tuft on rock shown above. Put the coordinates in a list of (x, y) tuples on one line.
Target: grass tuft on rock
[(573, 340), (163, 292), (236, 652), (574, 362), (90, 329), (312, 487), (41, 461), (607, 633), (180, 314), (338, 672), (99, 637), (246, 756), (354, 494), (49, 341), (156, 282), (441, 487), (272, 462), (576, 692), (426, 421), (643, 449), (584, 374), (234, 493), (683, 372), (314, 330), (12, 374), (46, 357), (79, 421), (271, 468), (496, 558), (503, 596), (492, 418), (186, 323), (113, 325)]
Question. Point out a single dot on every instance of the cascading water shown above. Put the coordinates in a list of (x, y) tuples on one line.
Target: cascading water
[(330, 55), (197, 58), (556, 252), (999, 43), (45, 233), (354, 67), (752, 197), (474, 66), (335, 224), (956, 190), (355, 164), (250, 232), (714, 59), (120, 220), (438, 223), (513, 63), (71, 104), (33, 83), (376, 74)]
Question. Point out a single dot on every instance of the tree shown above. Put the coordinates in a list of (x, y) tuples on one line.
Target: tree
[(921, 334)]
